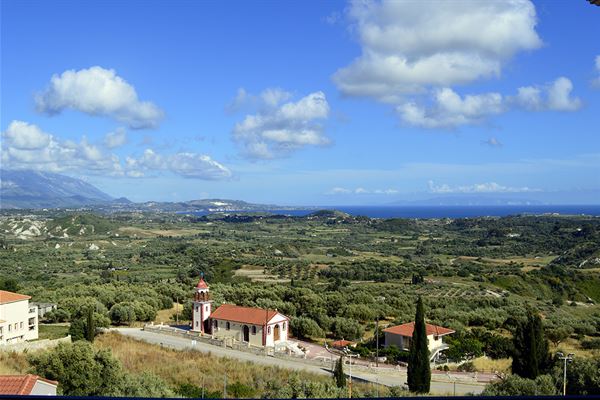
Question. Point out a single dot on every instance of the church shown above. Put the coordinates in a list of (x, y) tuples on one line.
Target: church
[(255, 326)]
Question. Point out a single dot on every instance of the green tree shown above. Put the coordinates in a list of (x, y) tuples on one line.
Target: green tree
[(9, 284), (419, 372), (514, 385), (122, 313), (90, 326), (304, 327), (530, 357), (81, 370), (338, 373), (559, 333)]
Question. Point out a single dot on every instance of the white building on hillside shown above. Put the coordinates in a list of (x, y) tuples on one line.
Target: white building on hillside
[(255, 326), (18, 319), (401, 336)]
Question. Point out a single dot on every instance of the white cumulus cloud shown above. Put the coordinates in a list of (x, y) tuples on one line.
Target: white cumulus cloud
[(116, 138), (408, 46), (277, 129), (24, 136), (449, 109), (555, 96), (185, 164), (98, 91)]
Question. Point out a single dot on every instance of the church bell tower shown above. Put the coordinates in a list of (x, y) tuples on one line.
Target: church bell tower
[(201, 307)]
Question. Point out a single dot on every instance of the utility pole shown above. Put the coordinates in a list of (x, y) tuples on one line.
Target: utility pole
[(350, 374), (377, 342), (567, 358)]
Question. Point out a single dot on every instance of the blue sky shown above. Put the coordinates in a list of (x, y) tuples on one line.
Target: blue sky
[(323, 103)]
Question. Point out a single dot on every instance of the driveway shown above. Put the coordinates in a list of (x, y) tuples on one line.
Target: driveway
[(440, 384)]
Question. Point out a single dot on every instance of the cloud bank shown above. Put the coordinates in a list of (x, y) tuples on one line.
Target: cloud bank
[(488, 187), (26, 146)]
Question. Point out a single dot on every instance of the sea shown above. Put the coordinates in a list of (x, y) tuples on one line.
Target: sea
[(441, 211)]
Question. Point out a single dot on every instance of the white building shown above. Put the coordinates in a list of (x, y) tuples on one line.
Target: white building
[(255, 326), (18, 319), (401, 336)]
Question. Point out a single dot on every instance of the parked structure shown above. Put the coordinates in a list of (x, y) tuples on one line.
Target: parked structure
[(44, 308), (401, 336), (255, 326), (18, 319), (27, 385)]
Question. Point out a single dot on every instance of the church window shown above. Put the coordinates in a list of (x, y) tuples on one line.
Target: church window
[(196, 324), (227, 325), (269, 330), (206, 308), (254, 330), (283, 327)]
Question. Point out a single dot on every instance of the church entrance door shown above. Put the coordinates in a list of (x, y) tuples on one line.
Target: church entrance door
[(276, 332)]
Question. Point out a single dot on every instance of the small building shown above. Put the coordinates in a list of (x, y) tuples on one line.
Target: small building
[(342, 344), (24, 385), (44, 308), (401, 336), (18, 319), (255, 326)]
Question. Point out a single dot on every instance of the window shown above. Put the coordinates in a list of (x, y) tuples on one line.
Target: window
[(21, 325), (269, 330), (283, 327), (196, 324), (196, 308), (254, 330), (206, 308), (216, 323), (227, 325)]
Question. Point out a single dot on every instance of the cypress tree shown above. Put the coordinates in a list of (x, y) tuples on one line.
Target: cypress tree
[(419, 372), (90, 326), (338, 373), (530, 357)]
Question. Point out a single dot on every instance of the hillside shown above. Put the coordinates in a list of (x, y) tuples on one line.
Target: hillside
[(34, 189)]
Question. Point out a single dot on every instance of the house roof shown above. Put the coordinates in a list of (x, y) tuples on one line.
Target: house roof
[(10, 297), (407, 330), (342, 343), (246, 315), (20, 384)]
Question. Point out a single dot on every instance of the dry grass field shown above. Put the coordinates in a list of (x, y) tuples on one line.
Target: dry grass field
[(181, 367)]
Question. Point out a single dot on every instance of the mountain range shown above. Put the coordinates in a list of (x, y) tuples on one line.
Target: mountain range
[(25, 189), (35, 189)]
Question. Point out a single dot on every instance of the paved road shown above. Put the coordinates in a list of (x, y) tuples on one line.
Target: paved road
[(440, 384)]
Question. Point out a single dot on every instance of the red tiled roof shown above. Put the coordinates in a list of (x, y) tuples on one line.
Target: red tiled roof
[(201, 284), (407, 330), (342, 343), (9, 297), (20, 384), (246, 315)]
